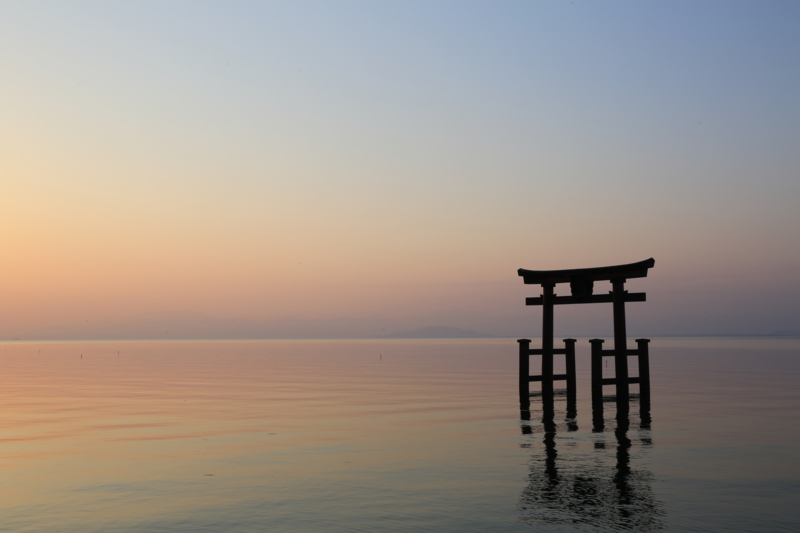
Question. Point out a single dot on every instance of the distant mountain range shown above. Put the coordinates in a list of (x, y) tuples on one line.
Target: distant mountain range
[(437, 332), (198, 326)]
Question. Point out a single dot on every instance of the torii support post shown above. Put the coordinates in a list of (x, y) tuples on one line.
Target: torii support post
[(620, 343), (546, 377), (572, 383), (598, 423), (643, 379), (524, 374), (547, 341), (597, 373)]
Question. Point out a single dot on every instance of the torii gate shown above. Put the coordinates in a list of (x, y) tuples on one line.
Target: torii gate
[(581, 282)]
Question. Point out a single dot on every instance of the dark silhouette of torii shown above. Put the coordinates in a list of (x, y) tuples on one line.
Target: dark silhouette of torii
[(581, 282)]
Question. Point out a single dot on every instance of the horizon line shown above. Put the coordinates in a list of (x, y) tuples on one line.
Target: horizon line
[(495, 337)]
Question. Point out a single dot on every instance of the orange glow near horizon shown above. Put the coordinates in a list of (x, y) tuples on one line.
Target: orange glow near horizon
[(141, 177)]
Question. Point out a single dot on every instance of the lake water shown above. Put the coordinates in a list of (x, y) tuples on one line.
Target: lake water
[(385, 436)]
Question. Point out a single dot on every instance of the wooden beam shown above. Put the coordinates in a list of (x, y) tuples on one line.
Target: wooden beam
[(593, 299), (632, 270), (539, 351), (612, 353), (613, 381), (556, 377)]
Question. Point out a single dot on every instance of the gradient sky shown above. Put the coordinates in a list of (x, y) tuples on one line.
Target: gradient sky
[(363, 161)]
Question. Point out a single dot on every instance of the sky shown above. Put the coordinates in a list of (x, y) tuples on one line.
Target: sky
[(334, 169)]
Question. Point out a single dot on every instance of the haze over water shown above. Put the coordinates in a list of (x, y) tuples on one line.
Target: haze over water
[(387, 436)]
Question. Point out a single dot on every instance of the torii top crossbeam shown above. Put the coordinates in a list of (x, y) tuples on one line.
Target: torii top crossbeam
[(631, 270), (581, 281)]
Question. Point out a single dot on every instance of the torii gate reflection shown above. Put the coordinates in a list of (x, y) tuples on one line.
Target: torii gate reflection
[(586, 489)]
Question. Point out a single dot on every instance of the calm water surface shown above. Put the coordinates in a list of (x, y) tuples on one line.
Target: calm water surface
[(352, 436)]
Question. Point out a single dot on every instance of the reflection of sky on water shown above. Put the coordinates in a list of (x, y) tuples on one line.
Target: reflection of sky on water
[(328, 436)]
